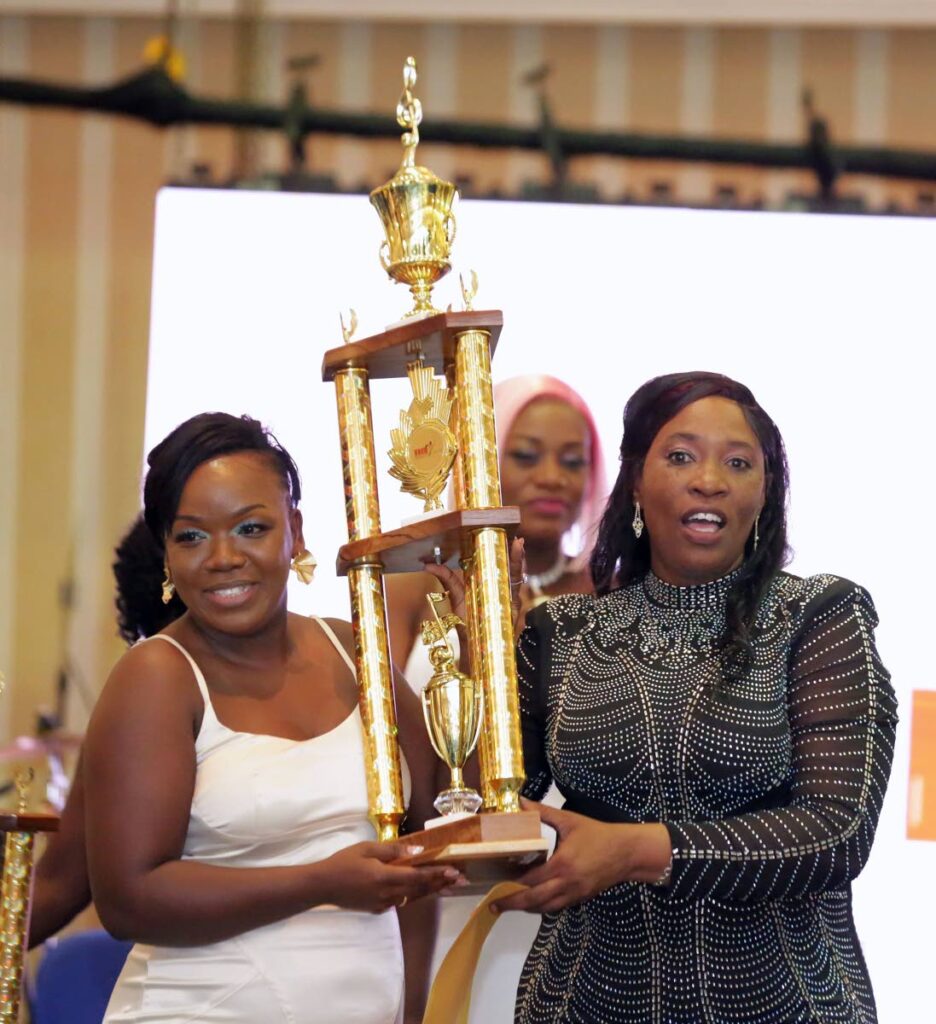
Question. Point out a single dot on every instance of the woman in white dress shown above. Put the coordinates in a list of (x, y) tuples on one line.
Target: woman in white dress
[(224, 775)]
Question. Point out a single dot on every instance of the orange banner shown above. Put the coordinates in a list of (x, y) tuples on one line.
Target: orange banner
[(921, 798)]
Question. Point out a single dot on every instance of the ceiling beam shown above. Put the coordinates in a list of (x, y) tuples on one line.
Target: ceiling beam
[(844, 13)]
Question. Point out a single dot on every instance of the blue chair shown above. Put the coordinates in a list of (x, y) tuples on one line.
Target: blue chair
[(75, 978)]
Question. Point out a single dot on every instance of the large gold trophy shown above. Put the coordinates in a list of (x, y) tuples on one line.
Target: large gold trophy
[(448, 426)]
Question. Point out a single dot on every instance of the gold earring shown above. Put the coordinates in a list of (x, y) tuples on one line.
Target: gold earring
[(168, 587), (304, 565)]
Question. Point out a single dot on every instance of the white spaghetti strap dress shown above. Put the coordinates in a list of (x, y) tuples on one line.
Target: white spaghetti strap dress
[(265, 801)]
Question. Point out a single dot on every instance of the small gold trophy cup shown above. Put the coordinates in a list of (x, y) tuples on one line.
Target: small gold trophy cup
[(415, 207), (451, 703)]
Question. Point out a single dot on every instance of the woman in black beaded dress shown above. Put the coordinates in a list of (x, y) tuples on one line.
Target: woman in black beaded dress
[(722, 732)]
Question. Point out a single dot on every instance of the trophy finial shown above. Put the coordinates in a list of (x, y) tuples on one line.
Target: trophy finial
[(469, 291), (409, 113), (348, 332)]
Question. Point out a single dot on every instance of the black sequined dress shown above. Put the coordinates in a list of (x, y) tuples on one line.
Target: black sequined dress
[(770, 788)]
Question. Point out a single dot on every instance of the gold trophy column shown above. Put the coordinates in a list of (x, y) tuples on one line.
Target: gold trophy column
[(17, 891), (472, 618), (488, 578), (368, 614), (16, 895)]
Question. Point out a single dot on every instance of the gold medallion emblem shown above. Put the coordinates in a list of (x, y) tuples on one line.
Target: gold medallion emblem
[(424, 446)]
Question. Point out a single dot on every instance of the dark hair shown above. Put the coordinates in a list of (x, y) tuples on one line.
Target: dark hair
[(138, 571), (620, 558), (199, 439), (140, 559)]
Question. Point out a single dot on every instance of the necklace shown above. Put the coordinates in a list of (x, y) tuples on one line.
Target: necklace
[(539, 581)]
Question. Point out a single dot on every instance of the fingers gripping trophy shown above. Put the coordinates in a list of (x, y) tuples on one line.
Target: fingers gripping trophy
[(446, 431)]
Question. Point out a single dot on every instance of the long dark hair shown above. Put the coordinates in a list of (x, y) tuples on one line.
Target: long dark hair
[(620, 558), (141, 554)]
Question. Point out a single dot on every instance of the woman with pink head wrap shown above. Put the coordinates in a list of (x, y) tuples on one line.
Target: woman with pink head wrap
[(552, 468)]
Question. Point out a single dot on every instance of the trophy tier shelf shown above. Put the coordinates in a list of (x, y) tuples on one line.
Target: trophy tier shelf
[(433, 337), (410, 548), (12, 822)]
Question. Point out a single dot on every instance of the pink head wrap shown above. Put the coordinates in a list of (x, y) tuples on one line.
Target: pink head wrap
[(511, 397)]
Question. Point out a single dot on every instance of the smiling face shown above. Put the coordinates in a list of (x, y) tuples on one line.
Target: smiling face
[(231, 543), (701, 487), (545, 467)]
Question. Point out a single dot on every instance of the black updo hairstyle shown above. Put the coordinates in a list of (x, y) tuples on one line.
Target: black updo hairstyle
[(620, 558), (138, 571), (140, 557)]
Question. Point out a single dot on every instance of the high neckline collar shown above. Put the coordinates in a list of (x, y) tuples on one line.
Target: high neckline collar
[(697, 597)]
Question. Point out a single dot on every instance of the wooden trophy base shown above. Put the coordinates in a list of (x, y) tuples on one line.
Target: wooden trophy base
[(486, 848)]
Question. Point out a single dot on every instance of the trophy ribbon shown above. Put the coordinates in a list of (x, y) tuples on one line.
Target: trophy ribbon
[(450, 995)]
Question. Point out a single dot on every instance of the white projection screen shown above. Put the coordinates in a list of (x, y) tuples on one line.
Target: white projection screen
[(829, 319)]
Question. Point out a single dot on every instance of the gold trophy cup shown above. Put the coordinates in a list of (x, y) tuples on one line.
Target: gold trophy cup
[(415, 207), (451, 703)]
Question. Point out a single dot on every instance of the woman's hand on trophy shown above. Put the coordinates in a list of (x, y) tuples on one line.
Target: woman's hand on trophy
[(518, 578), (590, 856), (454, 581), (364, 877)]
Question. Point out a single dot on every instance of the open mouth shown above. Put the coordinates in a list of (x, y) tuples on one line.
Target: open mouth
[(704, 523)]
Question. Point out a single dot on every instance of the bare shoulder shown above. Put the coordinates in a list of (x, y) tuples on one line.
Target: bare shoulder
[(153, 678), (344, 631)]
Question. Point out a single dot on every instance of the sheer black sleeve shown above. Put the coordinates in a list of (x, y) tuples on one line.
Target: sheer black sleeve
[(842, 714), (532, 684)]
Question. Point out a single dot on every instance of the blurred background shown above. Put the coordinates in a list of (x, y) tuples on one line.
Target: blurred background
[(77, 194)]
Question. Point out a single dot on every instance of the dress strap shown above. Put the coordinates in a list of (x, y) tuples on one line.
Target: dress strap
[(199, 678), (330, 633)]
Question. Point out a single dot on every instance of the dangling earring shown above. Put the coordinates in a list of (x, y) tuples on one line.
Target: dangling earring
[(168, 587), (756, 532), (638, 523), (304, 565)]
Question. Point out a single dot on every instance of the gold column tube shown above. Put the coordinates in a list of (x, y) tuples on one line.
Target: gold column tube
[(368, 612), (471, 605), (14, 920), (477, 439), (489, 576), (475, 634), (358, 464)]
